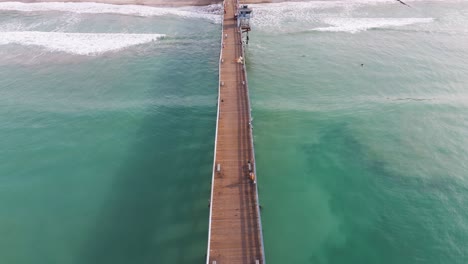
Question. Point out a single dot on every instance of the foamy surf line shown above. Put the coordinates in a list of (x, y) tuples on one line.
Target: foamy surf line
[(77, 43), (210, 13), (354, 25)]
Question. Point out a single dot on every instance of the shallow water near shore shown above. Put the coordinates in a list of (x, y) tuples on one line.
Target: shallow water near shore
[(361, 163), (101, 137)]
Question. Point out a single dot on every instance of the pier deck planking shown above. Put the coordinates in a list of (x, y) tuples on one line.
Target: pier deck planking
[(235, 235)]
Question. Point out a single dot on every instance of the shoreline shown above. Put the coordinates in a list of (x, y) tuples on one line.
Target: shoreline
[(154, 3)]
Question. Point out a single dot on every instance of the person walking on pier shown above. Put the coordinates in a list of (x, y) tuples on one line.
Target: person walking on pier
[(252, 177)]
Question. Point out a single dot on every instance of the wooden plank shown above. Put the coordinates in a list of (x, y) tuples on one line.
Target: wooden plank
[(234, 225)]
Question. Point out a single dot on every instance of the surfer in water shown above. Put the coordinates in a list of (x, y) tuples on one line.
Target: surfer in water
[(403, 3)]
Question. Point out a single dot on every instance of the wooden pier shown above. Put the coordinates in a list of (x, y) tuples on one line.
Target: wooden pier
[(235, 234)]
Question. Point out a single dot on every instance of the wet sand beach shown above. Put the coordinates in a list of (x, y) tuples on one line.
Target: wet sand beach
[(161, 3)]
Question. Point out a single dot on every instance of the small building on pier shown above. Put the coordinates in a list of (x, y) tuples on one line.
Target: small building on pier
[(244, 13)]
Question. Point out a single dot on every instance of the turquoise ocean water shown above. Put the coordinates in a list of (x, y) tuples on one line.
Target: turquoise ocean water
[(362, 164), (107, 121), (106, 158)]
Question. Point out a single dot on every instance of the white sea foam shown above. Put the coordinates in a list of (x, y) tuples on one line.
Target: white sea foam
[(340, 15), (77, 43), (210, 12), (291, 8), (324, 4), (354, 25), (277, 15)]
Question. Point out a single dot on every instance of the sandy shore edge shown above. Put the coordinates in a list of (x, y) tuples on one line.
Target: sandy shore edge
[(156, 3)]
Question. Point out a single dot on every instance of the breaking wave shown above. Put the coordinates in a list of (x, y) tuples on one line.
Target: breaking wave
[(77, 43), (332, 16), (211, 13), (354, 25)]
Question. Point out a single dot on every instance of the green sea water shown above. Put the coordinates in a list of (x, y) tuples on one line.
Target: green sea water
[(106, 158), (361, 163), (107, 140)]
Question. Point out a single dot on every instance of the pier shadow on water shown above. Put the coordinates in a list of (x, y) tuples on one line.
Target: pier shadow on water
[(156, 211)]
